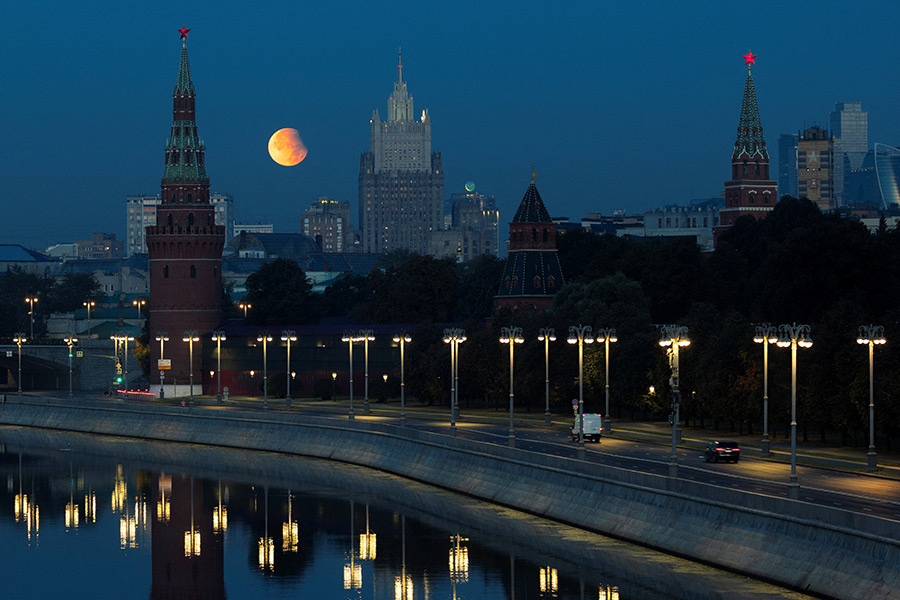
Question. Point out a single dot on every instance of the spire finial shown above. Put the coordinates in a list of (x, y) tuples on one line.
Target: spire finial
[(399, 63), (183, 31), (533, 174), (748, 59)]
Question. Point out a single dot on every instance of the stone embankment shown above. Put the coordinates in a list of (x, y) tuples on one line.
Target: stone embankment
[(824, 551)]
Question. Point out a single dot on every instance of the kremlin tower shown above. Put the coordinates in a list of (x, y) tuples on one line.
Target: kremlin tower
[(532, 274), (750, 191), (185, 245)]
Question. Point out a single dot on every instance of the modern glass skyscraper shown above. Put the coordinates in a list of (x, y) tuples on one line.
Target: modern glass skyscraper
[(850, 134), (787, 165), (887, 170)]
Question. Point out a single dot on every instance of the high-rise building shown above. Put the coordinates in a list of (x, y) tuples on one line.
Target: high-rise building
[(787, 165), (328, 223), (224, 207), (141, 211), (750, 191), (850, 136), (815, 179), (185, 244), (401, 182), (532, 275)]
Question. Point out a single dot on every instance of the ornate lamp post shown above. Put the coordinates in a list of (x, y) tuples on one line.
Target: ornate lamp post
[(218, 336), (30, 301), (402, 338), (870, 335), (365, 336), (265, 338), (288, 335), (511, 336), (609, 337), (673, 338), (139, 303), (547, 335), (190, 337), (334, 386), (245, 307), (793, 336), (70, 341), (766, 334), (581, 335), (89, 305), (349, 337), (19, 340), (454, 336)]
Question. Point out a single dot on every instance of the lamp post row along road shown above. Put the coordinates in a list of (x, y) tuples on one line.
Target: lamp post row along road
[(766, 334), (454, 336), (673, 338), (511, 336), (794, 336), (581, 335), (871, 335)]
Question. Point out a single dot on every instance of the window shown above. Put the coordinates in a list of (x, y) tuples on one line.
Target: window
[(193, 272), (166, 272)]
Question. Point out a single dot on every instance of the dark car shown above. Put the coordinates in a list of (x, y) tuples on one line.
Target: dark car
[(716, 451)]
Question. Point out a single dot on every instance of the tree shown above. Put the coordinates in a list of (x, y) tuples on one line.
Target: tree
[(280, 292)]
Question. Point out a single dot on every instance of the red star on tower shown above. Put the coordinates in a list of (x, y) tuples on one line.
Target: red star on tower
[(183, 31), (748, 58)]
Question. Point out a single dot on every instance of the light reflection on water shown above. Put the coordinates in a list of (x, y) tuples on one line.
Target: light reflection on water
[(92, 517)]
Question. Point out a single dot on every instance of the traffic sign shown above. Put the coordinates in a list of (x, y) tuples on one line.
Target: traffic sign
[(574, 401), (79, 353), (164, 363)]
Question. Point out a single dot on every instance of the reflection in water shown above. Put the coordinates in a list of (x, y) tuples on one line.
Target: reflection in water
[(202, 536)]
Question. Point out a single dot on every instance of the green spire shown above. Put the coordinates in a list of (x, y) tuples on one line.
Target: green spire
[(184, 83), (750, 138)]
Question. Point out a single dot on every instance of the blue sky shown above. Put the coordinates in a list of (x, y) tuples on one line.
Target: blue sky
[(619, 106)]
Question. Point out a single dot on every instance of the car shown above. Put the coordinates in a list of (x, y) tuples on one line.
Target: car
[(724, 450)]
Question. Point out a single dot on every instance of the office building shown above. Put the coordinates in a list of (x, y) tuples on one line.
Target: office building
[(814, 167), (850, 137), (787, 165), (328, 223), (401, 182)]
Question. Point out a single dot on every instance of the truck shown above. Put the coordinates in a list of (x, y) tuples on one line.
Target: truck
[(593, 427)]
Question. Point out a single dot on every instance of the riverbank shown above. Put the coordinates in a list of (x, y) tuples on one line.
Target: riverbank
[(825, 551)]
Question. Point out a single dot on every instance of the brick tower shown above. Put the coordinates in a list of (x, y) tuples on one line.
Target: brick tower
[(185, 245), (750, 191), (532, 274)]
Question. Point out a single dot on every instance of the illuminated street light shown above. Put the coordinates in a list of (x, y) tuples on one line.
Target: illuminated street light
[(288, 335), (162, 337), (673, 338), (139, 303), (19, 340), (218, 336), (350, 337), (365, 336), (454, 336), (89, 305), (765, 335), (792, 336), (122, 338), (265, 338), (245, 308), (334, 386), (547, 335), (870, 335), (30, 301), (402, 338), (581, 335), (511, 336), (70, 341), (609, 337), (190, 337)]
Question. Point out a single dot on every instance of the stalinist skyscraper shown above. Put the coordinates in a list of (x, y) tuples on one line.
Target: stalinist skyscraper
[(401, 182)]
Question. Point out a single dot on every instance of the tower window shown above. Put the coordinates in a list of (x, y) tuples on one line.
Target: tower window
[(166, 272), (193, 272)]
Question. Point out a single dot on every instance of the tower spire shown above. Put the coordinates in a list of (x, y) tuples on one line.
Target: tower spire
[(750, 140), (400, 64)]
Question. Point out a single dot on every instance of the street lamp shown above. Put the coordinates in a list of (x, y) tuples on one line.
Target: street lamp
[(792, 336), (581, 335), (673, 338), (402, 338), (89, 305), (265, 338), (350, 337), (454, 336), (871, 335), (765, 335), (288, 335), (162, 337), (218, 336), (190, 337), (139, 303), (511, 336), (30, 301), (70, 341), (19, 340), (365, 336), (547, 335), (123, 338), (334, 386), (609, 337), (245, 307)]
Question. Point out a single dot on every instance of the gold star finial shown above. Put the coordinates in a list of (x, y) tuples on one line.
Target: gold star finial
[(533, 174)]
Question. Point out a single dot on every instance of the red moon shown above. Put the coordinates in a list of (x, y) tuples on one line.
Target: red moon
[(286, 148)]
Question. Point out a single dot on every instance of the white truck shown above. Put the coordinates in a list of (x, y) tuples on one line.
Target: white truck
[(593, 427)]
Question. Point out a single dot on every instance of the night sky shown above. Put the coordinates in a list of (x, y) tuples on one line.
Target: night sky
[(619, 106)]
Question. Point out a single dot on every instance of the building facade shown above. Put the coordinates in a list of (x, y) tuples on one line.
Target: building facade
[(750, 191), (684, 221), (474, 228), (787, 165), (185, 245), (401, 181), (328, 222), (815, 178), (850, 136)]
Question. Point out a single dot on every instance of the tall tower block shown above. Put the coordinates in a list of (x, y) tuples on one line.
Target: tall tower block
[(185, 245), (750, 191)]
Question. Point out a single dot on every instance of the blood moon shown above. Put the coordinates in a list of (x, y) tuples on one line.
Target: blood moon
[(286, 148)]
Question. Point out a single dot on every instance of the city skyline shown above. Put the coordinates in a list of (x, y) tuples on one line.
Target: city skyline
[(588, 95)]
